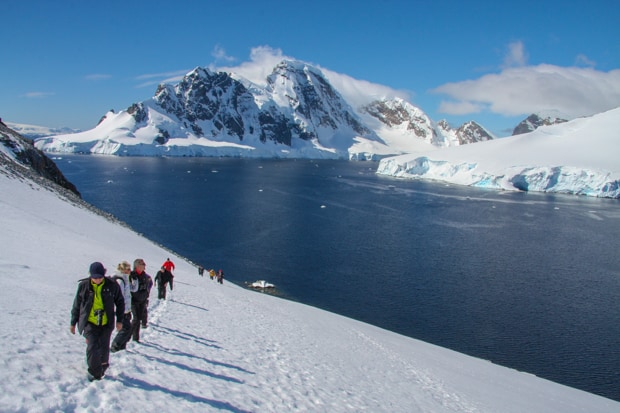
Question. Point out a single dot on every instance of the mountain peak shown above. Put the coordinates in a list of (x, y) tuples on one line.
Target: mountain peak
[(534, 121), (297, 109)]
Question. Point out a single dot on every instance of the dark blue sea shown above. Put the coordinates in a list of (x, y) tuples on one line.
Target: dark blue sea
[(529, 281)]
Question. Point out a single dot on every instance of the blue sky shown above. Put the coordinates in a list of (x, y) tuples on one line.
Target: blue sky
[(66, 63)]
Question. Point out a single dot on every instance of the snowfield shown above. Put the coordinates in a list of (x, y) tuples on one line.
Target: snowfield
[(578, 157), (216, 348)]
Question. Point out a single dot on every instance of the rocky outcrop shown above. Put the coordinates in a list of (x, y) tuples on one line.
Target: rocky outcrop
[(533, 122), (23, 153)]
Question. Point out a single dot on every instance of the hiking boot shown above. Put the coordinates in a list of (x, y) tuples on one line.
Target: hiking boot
[(114, 349), (145, 326), (91, 378)]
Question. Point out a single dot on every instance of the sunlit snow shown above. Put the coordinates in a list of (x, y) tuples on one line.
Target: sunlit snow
[(577, 157), (213, 347)]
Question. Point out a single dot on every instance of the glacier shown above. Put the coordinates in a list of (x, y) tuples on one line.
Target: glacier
[(577, 157)]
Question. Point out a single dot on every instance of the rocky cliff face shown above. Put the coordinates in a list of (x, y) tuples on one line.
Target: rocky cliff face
[(19, 153), (315, 104), (396, 113), (471, 132), (297, 103)]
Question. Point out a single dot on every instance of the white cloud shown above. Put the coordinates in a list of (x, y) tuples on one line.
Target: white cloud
[(516, 56), (37, 95), (357, 92), (219, 54), (262, 61), (569, 91), (360, 92), (583, 60), (151, 79), (520, 89)]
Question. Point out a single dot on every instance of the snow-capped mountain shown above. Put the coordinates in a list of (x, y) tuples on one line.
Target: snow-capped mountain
[(575, 157), (469, 132), (534, 121), (297, 112)]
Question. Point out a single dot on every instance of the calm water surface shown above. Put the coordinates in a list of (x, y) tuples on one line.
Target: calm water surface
[(529, 281)]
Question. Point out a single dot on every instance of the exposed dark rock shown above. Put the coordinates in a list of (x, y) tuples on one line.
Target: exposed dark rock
[(32, 159), (533, 122)]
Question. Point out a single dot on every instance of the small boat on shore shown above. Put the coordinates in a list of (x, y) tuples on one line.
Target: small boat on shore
[(261, 284)]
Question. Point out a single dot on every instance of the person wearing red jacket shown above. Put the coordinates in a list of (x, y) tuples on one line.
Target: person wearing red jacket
[(168, 265)]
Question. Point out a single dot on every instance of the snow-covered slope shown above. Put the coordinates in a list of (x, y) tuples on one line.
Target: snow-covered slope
[(36, 131), (295, 113), (214, 348), (576, 157)]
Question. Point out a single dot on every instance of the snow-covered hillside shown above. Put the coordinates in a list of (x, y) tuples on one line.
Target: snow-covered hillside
[(294, 113), (211, 347), (576, 157), (36, 131)]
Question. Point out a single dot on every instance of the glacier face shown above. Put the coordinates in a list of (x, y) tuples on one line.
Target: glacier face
[(558, 179)]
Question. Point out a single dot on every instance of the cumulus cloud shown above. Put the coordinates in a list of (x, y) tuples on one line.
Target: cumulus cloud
[(568, 91)]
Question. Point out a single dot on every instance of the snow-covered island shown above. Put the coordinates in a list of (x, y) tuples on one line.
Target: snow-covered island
[(212, 347), (577, 157)]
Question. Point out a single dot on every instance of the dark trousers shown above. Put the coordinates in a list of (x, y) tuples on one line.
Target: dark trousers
[(97, 348), (161, 292), (123, 336), (140, 317)]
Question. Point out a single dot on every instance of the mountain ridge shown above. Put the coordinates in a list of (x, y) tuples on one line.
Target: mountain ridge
[(297, 113)]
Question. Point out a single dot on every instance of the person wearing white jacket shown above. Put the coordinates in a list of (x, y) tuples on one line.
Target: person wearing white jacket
[(127, 287)]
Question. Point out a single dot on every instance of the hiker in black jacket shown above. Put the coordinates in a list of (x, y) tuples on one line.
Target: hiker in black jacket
[(140, 298), (162, 278), (97, 304)]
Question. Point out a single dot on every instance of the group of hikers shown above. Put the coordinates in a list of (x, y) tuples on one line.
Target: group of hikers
[(124, 297), (219, 276)]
